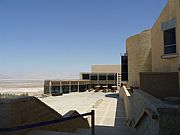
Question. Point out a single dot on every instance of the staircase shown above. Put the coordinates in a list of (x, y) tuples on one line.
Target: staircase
[(109, 120), (98, 131)]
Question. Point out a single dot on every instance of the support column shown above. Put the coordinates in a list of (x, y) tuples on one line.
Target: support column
[(118, 80), (78, 86), (106, 79), (90, 80), (69, 86), (61, 91), (86, 85), (50, 87), (97, 79), (114, 78)]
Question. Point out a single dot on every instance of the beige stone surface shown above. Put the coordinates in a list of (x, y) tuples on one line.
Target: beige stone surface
[(29, 110), (171, 11), (106, 68), (145, 50), (139, 56)]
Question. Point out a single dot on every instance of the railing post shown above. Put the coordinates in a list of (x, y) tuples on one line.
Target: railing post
[(92, 122)]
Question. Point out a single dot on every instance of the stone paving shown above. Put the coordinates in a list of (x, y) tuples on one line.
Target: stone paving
[(109, 113), (81, 102)]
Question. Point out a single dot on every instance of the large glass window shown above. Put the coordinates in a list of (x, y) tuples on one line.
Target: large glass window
[(170, 41), (93, 76), (111, 77), (102, 76), (124, 68), (85, 76)]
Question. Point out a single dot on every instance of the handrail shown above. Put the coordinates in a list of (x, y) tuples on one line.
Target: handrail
[(146, 111), (39, 124)]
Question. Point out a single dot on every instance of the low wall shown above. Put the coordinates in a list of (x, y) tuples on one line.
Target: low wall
[(128, 100), (28, 110), (135, 103), (142, 100), (160, 84)]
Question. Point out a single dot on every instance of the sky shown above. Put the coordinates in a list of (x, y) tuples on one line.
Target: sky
[(45, 39)]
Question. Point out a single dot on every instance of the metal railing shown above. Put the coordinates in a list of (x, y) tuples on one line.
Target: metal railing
[(40, 124)]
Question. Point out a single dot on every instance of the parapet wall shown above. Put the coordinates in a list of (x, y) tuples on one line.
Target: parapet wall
[(160, 84), (168, 115), (128, 100), (29, 110)]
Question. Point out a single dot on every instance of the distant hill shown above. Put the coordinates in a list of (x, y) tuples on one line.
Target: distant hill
[(2, 76)]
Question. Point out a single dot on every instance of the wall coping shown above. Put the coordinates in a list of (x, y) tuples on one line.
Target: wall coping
[(16, 99), (156, 102), (126, 91)]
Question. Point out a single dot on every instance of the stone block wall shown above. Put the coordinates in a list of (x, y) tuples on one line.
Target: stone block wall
[(168, 121), (29, 110), (128, 103), (160, 84), (142, 100), (139, 56)]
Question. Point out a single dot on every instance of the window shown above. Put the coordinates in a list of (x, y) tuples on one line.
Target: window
[(102, 76), (85, 76), (111, 77), (93, 76), (170, 41), (124, 68)]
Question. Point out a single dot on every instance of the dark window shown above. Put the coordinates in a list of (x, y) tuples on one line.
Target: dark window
[(111, 77), (102, 77), (170, 41), (94, 77), (85, 76), (124, 68)]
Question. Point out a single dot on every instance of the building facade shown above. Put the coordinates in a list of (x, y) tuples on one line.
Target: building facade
[(138, 48), (153, 55), (106, 68), (165, 39), (102, 76), (102, 80), (65, 86)]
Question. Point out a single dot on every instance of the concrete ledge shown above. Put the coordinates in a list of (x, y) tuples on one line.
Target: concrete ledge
[(128, 103)]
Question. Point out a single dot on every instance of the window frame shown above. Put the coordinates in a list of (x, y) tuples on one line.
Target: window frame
[(171, 46)]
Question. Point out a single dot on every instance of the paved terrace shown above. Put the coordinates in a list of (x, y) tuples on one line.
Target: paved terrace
[(109, 113)]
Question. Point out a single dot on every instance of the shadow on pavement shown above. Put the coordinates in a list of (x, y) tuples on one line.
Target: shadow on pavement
[(113, 95)]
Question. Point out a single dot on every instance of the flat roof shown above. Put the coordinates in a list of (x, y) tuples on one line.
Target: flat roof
[(73, 80), (98, 72)]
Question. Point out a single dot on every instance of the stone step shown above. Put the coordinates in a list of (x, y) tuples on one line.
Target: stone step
[(44, 132), (106, 131)]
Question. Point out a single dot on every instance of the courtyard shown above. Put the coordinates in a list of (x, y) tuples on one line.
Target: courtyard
[(109, 109)]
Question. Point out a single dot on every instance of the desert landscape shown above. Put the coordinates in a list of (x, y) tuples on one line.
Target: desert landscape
[(18, 87)]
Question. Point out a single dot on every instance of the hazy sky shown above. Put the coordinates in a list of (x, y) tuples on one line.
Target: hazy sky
[(60, 38)]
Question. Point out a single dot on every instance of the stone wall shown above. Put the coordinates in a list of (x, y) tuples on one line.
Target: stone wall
[(160, 84), (128, 100), (139, 56), (168, 121), (142, 100), (106, 68), (171, 11), (29, 110)]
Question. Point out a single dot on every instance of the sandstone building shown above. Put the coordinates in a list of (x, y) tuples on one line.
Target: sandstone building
[(153, 55), (101, 76)]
